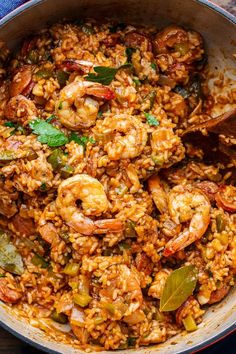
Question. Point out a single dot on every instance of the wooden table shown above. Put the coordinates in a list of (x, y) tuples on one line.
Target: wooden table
[(11, 345)]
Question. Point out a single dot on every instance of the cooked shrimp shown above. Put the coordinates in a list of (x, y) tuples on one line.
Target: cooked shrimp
[(21, 80), (20, 109), (133, 177), (187, 204), (119, 284), (127, 136), (94, 202), (75, 108), (7, 294), (158, 194)]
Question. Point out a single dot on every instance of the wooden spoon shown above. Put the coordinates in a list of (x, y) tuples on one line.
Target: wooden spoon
[(224, 124)]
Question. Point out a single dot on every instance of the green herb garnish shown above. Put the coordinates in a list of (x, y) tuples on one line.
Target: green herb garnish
[(129, 51), (104, 75), (10, 124), (151, 120), (81, 140), (137, 82), (43, 186), (153, 66), (15, 126), (47, 133), (60, 105)]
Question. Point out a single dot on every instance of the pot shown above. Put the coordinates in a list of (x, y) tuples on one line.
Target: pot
[(218, 29)]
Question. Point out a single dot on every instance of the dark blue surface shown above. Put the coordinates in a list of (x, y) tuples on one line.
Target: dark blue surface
[(8, 5), (227, 345)]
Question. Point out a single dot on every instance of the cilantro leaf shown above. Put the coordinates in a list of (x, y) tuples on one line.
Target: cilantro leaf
[(47, 133), (151, 120), (104, 75), (81, 140)]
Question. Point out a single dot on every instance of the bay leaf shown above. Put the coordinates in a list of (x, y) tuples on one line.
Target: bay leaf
[(10, 259), (178, 287)]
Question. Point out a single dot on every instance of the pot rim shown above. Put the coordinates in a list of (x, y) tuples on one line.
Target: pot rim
[(32, 3), (196, 349), (214, 338)]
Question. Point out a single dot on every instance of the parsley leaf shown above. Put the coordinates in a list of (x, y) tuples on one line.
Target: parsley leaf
[(81, 140), (129, 51), (10, 124), (136, 81), (47, 134), (43, 186), (153, 66), (16, 126), (104, 75), (151, 120)]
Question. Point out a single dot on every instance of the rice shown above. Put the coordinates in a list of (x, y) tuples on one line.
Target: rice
[(92, 204)]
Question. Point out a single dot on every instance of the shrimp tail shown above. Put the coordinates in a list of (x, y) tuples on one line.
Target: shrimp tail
[(188, 236), (100, 92), (111, 225), (178, 243)]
